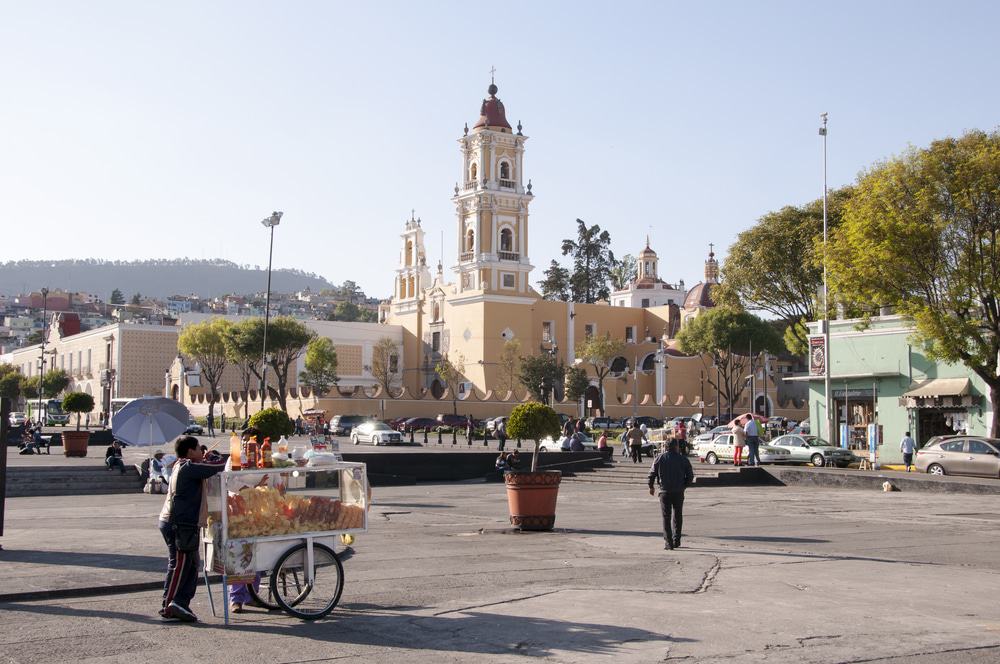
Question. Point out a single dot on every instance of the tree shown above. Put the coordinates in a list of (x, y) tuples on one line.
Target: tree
[(922, 234), (34, 338), (592, 262), (78, 402), (555, 285), (136, 299), (117, 297), (205, 343), (286, 339), (540, 374), (385, 363), (576, 383), (727, 336), (352, 292), (776, 266), (321, 366), (10, 382), (533, 421), (243, 350), (451, 375), (272, 423), (510, 358), (623, 272), (600, 352)]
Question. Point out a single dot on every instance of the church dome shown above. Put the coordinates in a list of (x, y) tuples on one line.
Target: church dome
[(492, 113), (699, 296)]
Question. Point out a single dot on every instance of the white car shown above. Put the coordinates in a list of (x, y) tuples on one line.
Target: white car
[(376, 433), (710, 435), (810, 449), (562, 445), (722, 447), (17, 419)]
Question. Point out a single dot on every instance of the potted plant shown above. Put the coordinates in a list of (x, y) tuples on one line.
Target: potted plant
[(272, 423), (531, 496), (75, 442)]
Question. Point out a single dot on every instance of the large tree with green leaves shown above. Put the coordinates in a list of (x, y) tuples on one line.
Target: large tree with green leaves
[(117, 297), (320, 366), (577, 383), (286, 340), (243, 351), (922, 234), (10, 382), (205, 343), (623, 272), (55, 381), (592, 262), (728, 336), (555, 285), (776, 265), (600, 351), (540, 374)]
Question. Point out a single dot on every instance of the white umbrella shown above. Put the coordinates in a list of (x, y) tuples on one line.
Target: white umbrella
[(150, 421)]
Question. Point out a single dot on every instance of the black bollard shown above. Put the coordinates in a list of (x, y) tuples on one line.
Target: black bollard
[(425, 436), (518, 443), (469, 436), (454, 437), (411, 436), (439, 435), (486, 437)]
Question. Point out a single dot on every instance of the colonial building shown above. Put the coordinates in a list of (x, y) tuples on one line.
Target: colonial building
[(648, 289)]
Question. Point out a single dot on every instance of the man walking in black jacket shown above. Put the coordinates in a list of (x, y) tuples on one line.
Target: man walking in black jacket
[(673, 472)]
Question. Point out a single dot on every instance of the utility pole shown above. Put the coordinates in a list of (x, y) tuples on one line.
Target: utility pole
[(41, 362), (270, 222), (826, 305)]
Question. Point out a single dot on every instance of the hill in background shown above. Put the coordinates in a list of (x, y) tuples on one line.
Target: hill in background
[(153, 278)]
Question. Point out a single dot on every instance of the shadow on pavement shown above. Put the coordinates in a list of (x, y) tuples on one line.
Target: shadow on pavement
[(790, 540), (78, 559)]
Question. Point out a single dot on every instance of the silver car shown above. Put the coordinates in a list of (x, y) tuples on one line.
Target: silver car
[(722, 448), (810, 449), (562, 445), (376, 433), (964, 455)]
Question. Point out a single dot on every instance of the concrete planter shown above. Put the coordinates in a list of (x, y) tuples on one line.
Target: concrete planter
[(531, 498), (75, 443)]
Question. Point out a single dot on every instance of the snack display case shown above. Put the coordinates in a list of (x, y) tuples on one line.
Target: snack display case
[(276, 529)]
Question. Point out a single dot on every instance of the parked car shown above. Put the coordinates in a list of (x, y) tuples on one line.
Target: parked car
[(562, 444), (961, 455), (193, 428), (397, 423), (376, 433), (17, 419), (650, 422), (342, 425), (417, 424), (710, 435), (492, 423), (450, 421), (810, 449), (801, 427), (601, 423), (722, 447)]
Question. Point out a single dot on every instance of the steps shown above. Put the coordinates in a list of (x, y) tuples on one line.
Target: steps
[(70, 481), (627, 473)]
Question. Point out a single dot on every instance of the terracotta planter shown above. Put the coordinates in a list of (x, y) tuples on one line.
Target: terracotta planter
[(75, 443), (531, 498)]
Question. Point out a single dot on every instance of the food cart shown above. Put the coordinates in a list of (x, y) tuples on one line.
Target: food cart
[(280, 526)]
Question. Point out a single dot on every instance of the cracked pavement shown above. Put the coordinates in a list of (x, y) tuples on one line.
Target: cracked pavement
[(775, 574)]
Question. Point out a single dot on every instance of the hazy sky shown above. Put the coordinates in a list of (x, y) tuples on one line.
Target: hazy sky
[(141, 129)]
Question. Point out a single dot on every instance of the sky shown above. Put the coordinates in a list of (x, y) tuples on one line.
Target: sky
[(162, 130)]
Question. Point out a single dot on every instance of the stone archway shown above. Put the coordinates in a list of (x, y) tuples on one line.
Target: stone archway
[(175, 393), (592, 399), (437, 389)]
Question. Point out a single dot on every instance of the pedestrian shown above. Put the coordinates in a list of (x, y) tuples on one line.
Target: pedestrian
[(624, 441), (502, 433), (568, 428), (113, 457), (581, 426), (468, 428), (602, 442), (87, 425), (514, 460), (739, 441), (635, 438), (298, 425), (184, 512), (211, 424), (673, 472), (222, 423), (907, 446), (752, 430)]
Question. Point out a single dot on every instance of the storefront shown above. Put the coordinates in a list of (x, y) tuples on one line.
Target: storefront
[(941, 406)]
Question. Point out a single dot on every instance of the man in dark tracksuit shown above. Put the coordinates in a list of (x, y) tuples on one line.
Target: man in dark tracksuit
[(184, 506), (673, 472)]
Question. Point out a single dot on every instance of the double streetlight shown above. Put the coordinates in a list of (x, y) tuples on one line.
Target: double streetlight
[(269, 222)]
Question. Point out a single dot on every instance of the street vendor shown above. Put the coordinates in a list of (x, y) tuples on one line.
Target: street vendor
[(239, 593)]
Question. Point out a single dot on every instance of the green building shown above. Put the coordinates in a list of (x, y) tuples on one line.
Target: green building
[(879, 375)]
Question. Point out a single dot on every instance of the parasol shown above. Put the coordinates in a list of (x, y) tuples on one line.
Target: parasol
[(150, 421)]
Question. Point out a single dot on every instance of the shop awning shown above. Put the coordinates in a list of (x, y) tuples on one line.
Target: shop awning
[(939, 387)]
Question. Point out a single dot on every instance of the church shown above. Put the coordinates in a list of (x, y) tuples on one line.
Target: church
[(469, 315)]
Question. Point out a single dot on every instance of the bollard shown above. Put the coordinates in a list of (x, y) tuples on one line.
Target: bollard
[(518, 443), (469, 436), (439, 435), (411, 436), (486, 437), (425, 436), (454, 437)]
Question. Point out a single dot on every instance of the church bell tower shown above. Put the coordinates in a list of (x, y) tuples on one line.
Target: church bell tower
[(491, 203)]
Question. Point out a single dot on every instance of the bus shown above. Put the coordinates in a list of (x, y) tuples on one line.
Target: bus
[(51, 413)]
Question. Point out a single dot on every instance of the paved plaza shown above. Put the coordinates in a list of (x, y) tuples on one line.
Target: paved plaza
[(765, 574)]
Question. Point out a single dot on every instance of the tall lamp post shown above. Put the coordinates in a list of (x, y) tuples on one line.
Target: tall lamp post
[(41, 361), (270, 222), (553, 352), (826, 307)]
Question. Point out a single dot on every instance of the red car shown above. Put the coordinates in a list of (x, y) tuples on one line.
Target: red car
[(416, 424)]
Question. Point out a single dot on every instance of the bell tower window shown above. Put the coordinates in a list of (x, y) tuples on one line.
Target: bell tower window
[(473, 171), (470, 240), (409, 253), (504, 170), (506, 240)]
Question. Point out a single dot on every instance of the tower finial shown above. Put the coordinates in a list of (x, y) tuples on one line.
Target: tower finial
[(493, 71), (711, 250)]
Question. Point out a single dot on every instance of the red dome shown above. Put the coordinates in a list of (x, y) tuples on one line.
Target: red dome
[(491, 113), (700, 296)]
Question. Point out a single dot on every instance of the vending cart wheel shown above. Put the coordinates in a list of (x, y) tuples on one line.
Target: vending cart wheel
[(264, 596), (296, 596)]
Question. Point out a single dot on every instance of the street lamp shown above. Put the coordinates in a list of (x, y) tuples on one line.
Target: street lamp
[(826, 307), (41, 361), (270, 222)]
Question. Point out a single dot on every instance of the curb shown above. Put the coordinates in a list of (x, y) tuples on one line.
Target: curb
[(89, 591)]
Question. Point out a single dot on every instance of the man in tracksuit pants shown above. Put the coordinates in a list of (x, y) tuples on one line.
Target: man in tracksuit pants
[(185, 504), (673, 472)]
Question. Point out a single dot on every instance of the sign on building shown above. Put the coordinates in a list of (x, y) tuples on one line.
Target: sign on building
[(817, 356)]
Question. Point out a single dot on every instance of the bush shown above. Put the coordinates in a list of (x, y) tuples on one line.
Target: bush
[(533, 421), (78, 402), (272, 423)]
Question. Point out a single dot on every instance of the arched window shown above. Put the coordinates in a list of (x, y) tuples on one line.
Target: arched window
[(470, 240), (649, 363), (409, 252), (472, 173), (645, 272), (506, 240), (618, 366), (504, 170)]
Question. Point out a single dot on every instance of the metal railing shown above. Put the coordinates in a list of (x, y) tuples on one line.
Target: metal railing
[(466, 256), (469, 185), (508, 184), (509, 255)]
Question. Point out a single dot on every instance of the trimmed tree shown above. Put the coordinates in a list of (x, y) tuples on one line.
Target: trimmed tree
[(321, 366), (243, 352), (576, 383), (600, 352), (540, 374), (533, 421), (10, 382), (78, 402), (205, 343), (272, 423)]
